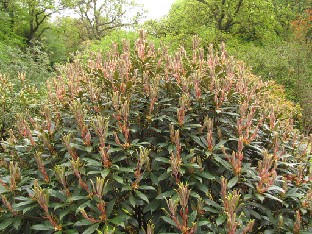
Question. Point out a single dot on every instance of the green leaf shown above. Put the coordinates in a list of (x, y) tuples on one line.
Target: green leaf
[(16, 224), (162, 159), (211, 210), (224, 163), (112, 150), (232, 182), (91, 229), (25, 206), (165, 194), (168, 220), (110, 207), (2, 189), (193, 125), (198, 141), (153, 205), (293, 193), (276, 188), (259, 196), (104, 173), (94, 172), (163, 176), (131, 200), (273, 197), (202, 187), (64, 213), (147, 187), (161, 145), (92, 162), (248, 197), (119, 220), (219, 145), (203, 223), (142, 196), (155, 129), (213, 203), (83, 222), (42, 227), (5, 223), (270, 231), (254, 214), (206, 175), (71, 231), (21, 205), (220, 220), (191, 165), (77, 198), (124, 169), (117, 178), (192, 218)]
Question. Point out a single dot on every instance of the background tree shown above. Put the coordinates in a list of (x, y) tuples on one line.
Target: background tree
[(100, 18), (28, 19), (251, 20), (64, 38), (9, 12), (39, 12)]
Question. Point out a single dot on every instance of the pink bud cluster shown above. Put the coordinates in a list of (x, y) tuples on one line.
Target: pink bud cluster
[(75, 164), (100, 126), (122, 113), (236, 158), (42, 197), (266, 172), (142, 160), (175, 159), (183, 103), (230, 202), (41, 167), (24, 129), (80, 114), (182, 222)]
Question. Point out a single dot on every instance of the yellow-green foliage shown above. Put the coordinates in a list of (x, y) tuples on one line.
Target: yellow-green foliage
[(286, 108), (16, 95)]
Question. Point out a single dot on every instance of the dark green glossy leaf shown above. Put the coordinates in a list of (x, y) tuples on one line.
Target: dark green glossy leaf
[(42, 227), (91, 229), (272, 197), (163, 176), (232, 182), (117, 178), (220, 220), (162, 159), (83, 222), (165, 194), (192, 218), (5, 223), (119, 220), (168, 220), (152, 206), (141, 195)]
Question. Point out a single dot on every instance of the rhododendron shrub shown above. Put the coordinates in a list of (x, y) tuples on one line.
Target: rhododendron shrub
[(148, 142)]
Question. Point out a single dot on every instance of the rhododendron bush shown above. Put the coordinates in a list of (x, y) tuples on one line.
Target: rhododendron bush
[(140, 141)]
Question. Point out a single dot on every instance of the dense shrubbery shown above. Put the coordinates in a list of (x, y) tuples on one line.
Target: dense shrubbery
[(146, 142), (31, 60), (17, 95), (288, 64), (23, 74)]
